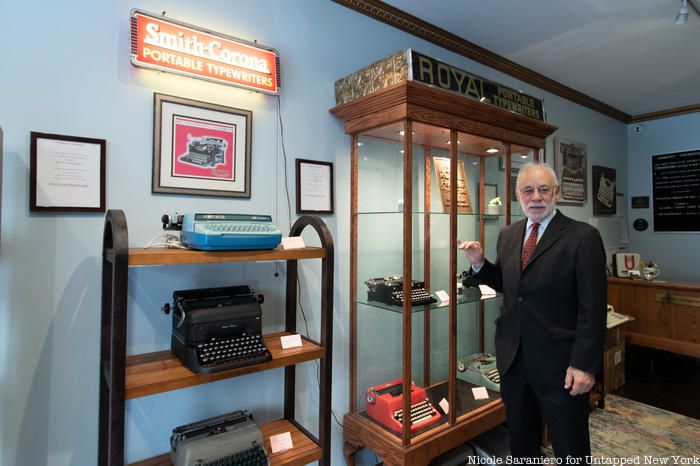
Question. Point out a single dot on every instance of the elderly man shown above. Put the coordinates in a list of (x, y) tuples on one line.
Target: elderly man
[(549, 337)]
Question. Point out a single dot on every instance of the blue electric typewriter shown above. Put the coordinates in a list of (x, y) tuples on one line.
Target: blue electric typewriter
[(227, 232)]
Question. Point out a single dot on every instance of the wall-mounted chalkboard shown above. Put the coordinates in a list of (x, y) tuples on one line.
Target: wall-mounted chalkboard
[(676, 191)]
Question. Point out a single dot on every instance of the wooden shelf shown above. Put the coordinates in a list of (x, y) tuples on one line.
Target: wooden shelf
[(168, 256), (305, 450), (151, 373)]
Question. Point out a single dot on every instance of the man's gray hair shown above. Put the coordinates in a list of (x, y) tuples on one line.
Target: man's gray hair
[(528, 166)]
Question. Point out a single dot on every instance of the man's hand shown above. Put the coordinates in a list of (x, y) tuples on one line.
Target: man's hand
[(578, 381), (473, 251)]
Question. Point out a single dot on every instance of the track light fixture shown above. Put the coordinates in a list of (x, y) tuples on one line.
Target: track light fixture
[(682, 16)]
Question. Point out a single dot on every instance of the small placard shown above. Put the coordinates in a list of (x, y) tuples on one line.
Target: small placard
[(281, 442), (445, 405), (293, 242), (480, 393), (291, 341), (487, 291), (640, 202), (442, 296)]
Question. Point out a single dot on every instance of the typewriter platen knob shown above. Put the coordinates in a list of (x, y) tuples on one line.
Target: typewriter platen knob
[(261, 299), (370, 396), (166, 308)]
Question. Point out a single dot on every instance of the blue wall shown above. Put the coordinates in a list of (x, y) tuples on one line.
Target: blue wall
[(678, 254), (67, 71)]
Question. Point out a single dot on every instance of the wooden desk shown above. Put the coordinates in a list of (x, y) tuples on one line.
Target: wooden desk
[(667, 315)]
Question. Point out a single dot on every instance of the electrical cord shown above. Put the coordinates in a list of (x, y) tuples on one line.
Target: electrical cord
[(289, 219), (169, 241)]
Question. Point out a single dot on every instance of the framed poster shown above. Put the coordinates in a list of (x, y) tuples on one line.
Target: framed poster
[(200, 148), (604, 192), (66, 173), (570, 166), (314, 182)]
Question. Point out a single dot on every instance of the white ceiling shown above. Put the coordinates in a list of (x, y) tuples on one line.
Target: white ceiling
[(626, 53)]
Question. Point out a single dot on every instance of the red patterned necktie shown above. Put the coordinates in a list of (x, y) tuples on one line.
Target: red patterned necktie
[(530, 245)]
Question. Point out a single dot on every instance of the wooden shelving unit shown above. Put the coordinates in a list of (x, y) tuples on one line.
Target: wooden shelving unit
[(123, 378)]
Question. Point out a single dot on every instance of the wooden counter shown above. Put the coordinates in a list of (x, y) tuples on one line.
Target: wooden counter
[(667, 315)]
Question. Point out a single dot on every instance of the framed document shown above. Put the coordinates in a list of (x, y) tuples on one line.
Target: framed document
[(66, 173), (200, 148), (314, 187)]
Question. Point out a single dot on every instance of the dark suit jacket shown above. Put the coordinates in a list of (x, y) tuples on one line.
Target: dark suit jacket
[(555, 309)]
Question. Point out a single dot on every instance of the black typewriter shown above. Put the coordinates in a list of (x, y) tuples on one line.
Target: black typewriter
[(216, 329), (205, 151), (233, 439), (470, 285), (389, 290)]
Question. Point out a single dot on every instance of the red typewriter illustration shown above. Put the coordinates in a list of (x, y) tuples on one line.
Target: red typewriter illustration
[(385, 405)]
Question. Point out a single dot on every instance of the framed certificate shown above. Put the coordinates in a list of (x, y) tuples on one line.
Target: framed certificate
[(67, 173), (314, 181)]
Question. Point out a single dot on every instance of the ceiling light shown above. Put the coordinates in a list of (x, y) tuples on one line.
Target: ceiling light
[(491, 150), (682, 16), (523, 156)]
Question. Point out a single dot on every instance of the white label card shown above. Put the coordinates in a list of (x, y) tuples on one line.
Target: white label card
[(281, 442), (291, 341), (293, 242), (487, 291), (445, 405), (442, 296), (480, 393)]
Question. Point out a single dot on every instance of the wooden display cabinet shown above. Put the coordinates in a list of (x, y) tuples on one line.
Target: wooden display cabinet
[(123, 378), (400, 225)]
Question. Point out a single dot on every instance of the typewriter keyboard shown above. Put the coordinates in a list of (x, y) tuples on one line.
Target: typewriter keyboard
[(233, 352), (494, 376), (240, 228), (418, 296), (199, 159), (420, 412), (254, 456)]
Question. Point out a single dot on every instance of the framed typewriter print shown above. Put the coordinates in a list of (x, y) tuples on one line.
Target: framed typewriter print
[(314, 180), (66, 173), (200, 148)]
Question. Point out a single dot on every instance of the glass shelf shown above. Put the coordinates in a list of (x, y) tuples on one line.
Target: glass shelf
[(469, 295)]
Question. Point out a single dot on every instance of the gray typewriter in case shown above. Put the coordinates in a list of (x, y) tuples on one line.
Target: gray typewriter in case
[(233, 439)]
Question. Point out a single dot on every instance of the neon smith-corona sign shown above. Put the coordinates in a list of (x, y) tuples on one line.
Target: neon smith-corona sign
[(167, 45)]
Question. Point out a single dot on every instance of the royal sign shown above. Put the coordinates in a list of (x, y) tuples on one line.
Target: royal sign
[(176, 47)]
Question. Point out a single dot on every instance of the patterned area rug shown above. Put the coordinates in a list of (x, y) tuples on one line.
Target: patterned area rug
[(640, 433)]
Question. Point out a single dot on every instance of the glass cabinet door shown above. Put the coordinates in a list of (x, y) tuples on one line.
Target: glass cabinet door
[(383, 247)]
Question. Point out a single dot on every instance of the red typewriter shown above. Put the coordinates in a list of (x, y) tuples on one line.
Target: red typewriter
[(385, 405)]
